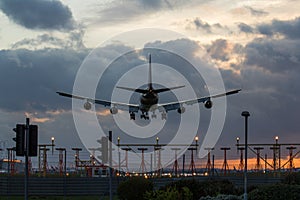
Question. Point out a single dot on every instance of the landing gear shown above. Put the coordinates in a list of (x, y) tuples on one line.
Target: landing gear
[(163, 115), (132, 116), (145, 116), (153, 115)]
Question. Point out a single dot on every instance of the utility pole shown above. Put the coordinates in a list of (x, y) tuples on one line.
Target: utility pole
[(110, 164), (246, 114)]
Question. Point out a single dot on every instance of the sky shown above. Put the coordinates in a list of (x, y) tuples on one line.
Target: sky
[(254, 44)]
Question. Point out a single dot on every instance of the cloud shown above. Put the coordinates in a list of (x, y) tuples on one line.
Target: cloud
[(120, 11), (226, 54), (274, 56), (245, 28), (31, 78), (268, 76), (36, 14), (200, 25), (289, 28), (71, 40)]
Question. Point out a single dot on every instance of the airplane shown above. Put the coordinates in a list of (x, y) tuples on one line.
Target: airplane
[(148, 100)]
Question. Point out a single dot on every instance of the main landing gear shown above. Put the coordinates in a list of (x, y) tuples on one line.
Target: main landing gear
[(132, 116), (145, 116)]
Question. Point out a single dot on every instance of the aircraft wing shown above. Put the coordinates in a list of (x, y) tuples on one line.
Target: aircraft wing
[(177, 104), (121, 106)]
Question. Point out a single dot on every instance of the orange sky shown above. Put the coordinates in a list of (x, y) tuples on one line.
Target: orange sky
[(251, 163)]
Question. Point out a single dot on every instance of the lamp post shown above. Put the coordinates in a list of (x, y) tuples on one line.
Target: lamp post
[(52, 144), (278, 153), (196, 140), (246, 114), (119, 156)]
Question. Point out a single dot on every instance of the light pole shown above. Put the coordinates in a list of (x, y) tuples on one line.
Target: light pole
[(278, 151), (196, 140), (246, 114), (52, 144), (119, 156)]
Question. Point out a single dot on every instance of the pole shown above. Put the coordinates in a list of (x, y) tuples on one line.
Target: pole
[(183, 163), (65, 175), (246, 115), (26, 158), (110, 164), (213, 165)]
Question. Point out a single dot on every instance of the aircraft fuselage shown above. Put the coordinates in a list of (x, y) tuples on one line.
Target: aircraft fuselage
[(147, 100)]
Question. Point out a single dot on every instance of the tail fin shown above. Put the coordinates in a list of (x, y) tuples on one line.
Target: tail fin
[(150, 74)]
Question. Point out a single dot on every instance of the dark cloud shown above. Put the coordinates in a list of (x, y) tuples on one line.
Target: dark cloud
[(218, 50), (245, 28), (199, 24), (289, 28), (120, 11), (270, 73), (275, 56), (31, 78), (36, 14)]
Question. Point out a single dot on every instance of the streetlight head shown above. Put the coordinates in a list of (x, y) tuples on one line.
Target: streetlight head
[(276, 137), (196, 138), (52, 138), (245, 114), (157, 138), (237, 139)]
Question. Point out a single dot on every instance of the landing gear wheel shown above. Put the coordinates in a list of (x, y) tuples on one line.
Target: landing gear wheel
[(163, 116), (132, 116)]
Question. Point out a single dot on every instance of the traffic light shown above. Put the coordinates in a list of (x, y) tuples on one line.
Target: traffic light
[(20, 139), (103, 149), (33, 140)]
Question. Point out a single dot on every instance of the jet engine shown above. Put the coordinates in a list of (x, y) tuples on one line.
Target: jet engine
[(113, 110), (208, 104), (87, 105), (181, 110)]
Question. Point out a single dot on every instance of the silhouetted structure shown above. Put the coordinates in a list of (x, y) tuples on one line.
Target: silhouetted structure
[(77, 150), (143, 166), (192, 167), (175, 165), (126, 158), (258, 166), (208, 167), (291, 158), (43, 164), (11, 159), (241, 164), (225, 166), (62, 164)]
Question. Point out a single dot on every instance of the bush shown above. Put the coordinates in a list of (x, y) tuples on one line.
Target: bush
[(170, 194), (206, 188), (275, 192), (134, 188)]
